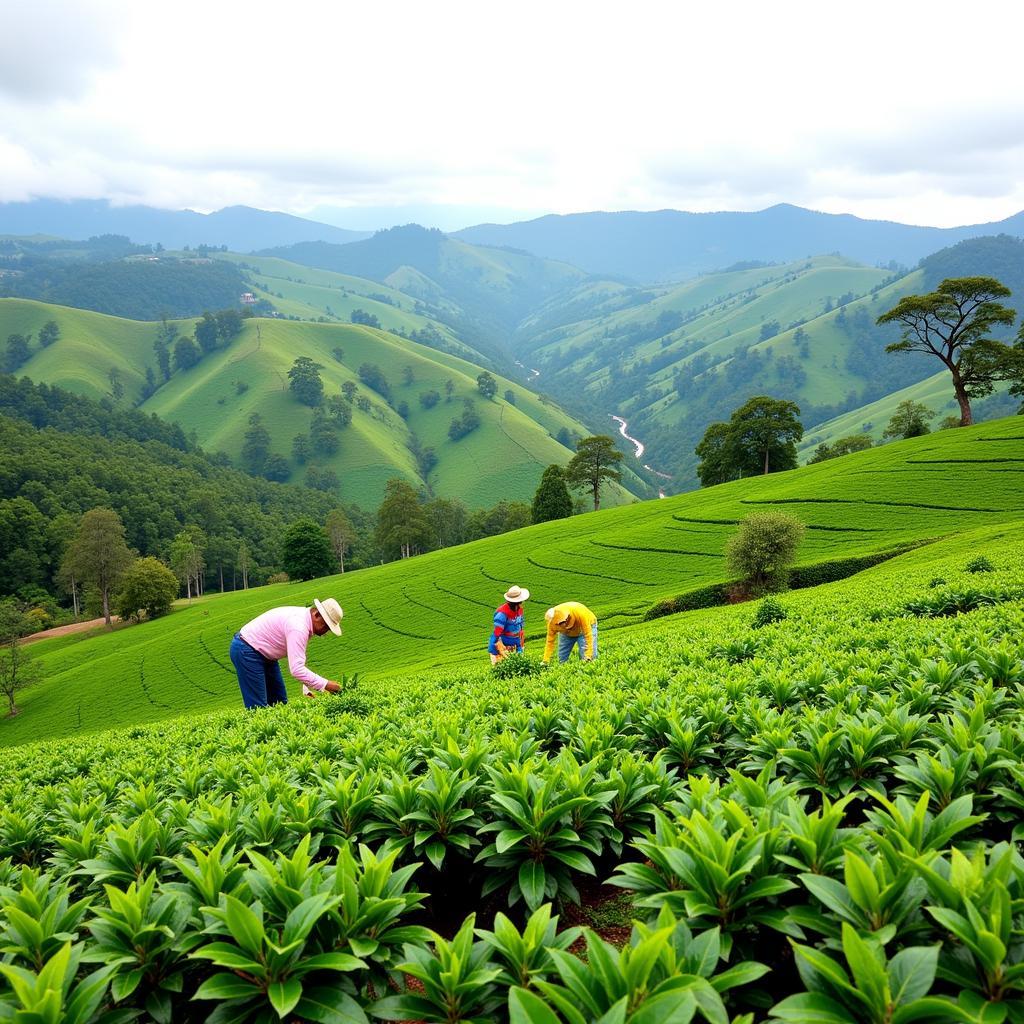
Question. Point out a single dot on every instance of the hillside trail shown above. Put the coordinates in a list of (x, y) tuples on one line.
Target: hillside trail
[(71, 627)]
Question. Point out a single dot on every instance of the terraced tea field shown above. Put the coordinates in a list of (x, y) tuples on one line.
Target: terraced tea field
[(434, 611), (813, 819)]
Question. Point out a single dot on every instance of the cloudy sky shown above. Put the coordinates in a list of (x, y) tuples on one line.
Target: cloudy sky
[(458, 112)]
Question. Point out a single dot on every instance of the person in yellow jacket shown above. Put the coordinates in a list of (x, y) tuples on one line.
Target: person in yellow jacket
[(575, 625)]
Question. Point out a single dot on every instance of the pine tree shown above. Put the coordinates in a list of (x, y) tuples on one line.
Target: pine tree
[(552, 499)]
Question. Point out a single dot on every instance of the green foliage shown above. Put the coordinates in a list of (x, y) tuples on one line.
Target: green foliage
[(593, 465), (552, 499), (769, 610), (147, 587), (910, 420), (487, 385), (760, 437), (516, 664), (466, 423), (304, 381), (979, 564), (763, 549), (307, 551), (842, 446), (953, 323)]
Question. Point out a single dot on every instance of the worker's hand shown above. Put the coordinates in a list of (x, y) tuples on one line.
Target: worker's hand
[(307, 692)]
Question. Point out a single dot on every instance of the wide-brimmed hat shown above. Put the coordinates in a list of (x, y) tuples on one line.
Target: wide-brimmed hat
[(517, 595), (330, 611)]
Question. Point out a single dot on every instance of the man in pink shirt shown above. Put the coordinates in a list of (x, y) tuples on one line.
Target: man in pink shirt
[(279, 633)]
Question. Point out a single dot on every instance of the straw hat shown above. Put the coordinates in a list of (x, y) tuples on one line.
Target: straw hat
[(517, 595), (330, 611)]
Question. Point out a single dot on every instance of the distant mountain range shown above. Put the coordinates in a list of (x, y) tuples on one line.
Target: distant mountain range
[(665, 245), (240, 228), (673, 245)]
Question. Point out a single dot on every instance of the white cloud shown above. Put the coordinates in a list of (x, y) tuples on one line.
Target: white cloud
[(550, 106)]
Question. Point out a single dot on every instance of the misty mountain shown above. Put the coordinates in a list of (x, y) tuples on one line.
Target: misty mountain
[(240, 228), (495, 287), (673, 245)]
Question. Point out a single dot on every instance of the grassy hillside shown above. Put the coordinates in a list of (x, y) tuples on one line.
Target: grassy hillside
[(435, 610), (502, 459)]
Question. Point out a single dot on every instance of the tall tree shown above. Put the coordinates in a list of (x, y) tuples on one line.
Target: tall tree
[(305, 382), (187, 559), (98, 553), (717, 460), (763, 435), (341, 533), (206, 332), (307, 551), (255, 444), (401, 524), (14, 657), (166, 334), (952, 323), (552, 499), (17, 352), (186, 354), (594, 462)]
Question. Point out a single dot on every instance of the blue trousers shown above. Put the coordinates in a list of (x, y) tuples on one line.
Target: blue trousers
[(259, 678), (567, 643)]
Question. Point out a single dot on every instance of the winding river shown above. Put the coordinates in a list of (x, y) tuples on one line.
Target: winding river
[(639, 451)]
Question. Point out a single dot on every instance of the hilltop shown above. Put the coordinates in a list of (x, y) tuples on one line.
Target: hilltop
[(433, 611)]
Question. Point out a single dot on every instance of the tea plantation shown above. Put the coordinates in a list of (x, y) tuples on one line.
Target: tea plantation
[(434, 611), (812, 807)]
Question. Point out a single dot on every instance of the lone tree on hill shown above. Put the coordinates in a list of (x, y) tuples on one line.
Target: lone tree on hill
[(15, 671), (305, 383), (759, 438), (909, 420), (307, 551), (952, 324), (552, 499), (98, 553), (594, 462), (763, 549), (486, 385)]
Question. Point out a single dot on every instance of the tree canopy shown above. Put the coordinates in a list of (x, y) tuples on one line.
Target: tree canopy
[(593, 464), (552, 499), (952, 323), (760, 437)]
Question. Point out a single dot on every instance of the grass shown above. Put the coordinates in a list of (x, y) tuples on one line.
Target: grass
[(434, 611), (503, 459)]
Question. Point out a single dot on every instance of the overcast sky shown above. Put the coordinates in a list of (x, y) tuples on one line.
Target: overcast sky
[(466, 111)]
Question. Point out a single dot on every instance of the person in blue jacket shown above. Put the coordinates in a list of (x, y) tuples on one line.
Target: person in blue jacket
[(507, 634)]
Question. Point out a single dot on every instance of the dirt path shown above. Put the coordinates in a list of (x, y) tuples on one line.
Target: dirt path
[(72, 627)]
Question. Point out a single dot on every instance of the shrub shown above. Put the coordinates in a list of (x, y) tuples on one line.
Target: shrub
[(278, 577), (979, 564), (763, 549), (516, 664), (149, 587), (937, 581), (768, 611)]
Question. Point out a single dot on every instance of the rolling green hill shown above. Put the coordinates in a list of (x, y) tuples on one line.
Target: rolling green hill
[(434, 611), (502, 459)]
